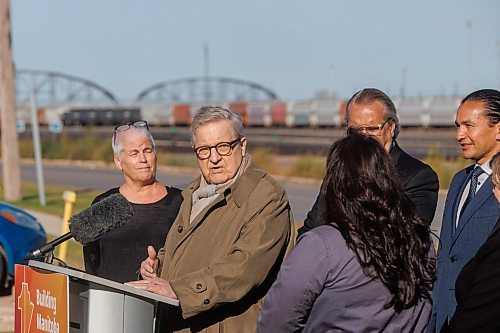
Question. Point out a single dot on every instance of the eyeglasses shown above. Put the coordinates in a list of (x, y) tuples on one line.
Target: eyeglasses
[(222, 148), (138, 124), (371, 130), (124, 127)]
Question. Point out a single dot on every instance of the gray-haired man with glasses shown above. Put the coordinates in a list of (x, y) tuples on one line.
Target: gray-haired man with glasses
[(229, 238), (371, 112)]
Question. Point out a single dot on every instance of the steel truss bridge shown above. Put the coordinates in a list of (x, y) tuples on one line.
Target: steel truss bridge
[(53, 89), (205, 90)]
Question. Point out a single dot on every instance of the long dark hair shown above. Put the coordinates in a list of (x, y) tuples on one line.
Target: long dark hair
[(366, 203)]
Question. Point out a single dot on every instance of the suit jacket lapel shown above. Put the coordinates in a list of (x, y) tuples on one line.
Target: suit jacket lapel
[(394, 154), (481, 196), (458, 196)]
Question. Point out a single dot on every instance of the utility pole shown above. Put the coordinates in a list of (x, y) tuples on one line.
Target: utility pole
[(10, 144), (333, 93)]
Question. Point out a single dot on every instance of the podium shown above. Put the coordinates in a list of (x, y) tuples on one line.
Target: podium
[(94, 304)]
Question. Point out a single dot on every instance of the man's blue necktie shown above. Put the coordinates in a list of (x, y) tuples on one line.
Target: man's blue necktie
[(473, 186)]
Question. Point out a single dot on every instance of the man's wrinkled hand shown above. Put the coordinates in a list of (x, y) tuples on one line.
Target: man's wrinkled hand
[(155, 285)]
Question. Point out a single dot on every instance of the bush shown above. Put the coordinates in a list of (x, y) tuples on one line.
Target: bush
[(445, 169), (308, 166), (263, 157), (88, 147)]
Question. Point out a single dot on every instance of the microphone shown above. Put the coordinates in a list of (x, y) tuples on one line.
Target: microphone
[(91, 223)]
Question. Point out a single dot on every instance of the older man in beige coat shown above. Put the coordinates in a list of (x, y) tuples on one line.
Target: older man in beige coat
[(229, 239)]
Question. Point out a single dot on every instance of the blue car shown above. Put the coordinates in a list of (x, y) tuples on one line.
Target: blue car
[(20, 233)]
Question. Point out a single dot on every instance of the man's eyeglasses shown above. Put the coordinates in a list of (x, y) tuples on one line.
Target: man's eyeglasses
[(370, 130), (222, 148)]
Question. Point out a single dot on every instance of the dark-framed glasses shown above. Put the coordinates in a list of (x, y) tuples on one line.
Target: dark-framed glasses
[(138, 124), (222, 148), (371, 130)]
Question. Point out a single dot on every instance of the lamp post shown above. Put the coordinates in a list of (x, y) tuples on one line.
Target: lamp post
[(331, 66), (468, 24), (402, 92), (498, 54)]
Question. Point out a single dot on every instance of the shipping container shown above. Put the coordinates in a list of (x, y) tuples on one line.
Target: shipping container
[(259, 114), (240, 108), (278, 114), (181, 115)]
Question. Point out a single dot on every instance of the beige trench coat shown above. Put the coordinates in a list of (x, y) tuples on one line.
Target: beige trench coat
[(223, 263)]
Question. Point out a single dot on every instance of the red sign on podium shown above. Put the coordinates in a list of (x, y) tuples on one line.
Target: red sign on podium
[(41, 301)]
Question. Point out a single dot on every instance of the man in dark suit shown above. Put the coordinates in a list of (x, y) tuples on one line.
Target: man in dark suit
[(470, 210), (478, 284), (371, 112)]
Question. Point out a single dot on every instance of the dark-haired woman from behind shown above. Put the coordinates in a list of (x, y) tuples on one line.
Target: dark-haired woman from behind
[(369, 267)]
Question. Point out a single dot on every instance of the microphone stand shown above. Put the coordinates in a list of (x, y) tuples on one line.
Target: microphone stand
[(48, 248)]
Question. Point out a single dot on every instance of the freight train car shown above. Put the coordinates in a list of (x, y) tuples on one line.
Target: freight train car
[(157, 114), (427, 112), (298, 113), (259, 114), (278, 114), (181, 115), (327, 113), (100, 116), (441, 111), (241, 108), (410, 112)]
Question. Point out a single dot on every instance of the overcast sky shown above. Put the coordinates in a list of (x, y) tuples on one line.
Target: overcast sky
[(295, 48)]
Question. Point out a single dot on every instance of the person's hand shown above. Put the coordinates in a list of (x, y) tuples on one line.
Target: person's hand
[(155, 285), (149, 267)]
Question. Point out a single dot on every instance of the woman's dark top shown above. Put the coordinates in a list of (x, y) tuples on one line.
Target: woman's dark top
[(118, 254), (322, 287)]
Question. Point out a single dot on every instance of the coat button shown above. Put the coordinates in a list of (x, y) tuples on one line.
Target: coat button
[(180, 228), (198, 286), (453, 258), (206, 301)]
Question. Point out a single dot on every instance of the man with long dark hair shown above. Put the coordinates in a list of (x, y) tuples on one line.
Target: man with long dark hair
[(471, 210), (372, 113)]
